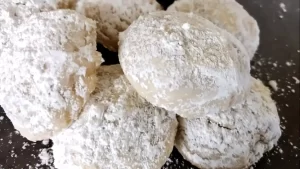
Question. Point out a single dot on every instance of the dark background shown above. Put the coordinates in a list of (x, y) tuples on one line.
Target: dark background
[(277, 59)]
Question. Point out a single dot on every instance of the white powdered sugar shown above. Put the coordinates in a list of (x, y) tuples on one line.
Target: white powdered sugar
[(23, 8), (192, 70), (11, 11), (226, 14), (114, 16), (283, 7), (46, 157), (273, 84), (235, 139), (116, 130), (48, 70)]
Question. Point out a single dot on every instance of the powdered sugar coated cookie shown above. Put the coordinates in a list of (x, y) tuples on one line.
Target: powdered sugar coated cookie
[(48, 71), (184, 63), (117, 129), (234, 139)]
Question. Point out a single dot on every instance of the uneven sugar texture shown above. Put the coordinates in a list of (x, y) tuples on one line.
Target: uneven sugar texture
[(184, 63), (117, 129), (235, 139), (226, 14), (47, 69)]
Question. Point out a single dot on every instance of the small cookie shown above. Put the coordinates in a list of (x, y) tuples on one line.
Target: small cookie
[(116, 130), (235, 139)]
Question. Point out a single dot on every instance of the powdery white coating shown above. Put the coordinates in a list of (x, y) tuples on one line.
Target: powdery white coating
[(234, 139), (184, 63), (114, 16), (23, 8), (48, 70), (226, 14), (117, 130), (19, 9), (11, 11)]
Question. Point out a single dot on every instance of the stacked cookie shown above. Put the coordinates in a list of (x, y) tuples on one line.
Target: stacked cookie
[(193, 68), (191, 61)]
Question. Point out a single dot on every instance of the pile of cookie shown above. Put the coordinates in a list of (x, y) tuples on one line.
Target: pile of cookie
[(183, 80)]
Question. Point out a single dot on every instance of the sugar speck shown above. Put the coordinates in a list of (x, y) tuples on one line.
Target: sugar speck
[(296, 80), (283, 7), (186, 26), (288, 63), (273, 84), (45, 142)]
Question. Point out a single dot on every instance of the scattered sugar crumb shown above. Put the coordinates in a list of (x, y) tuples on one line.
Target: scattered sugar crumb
[(283, 7), (25, 144), (45, 142), (1, 118), (280, 16), (288, 63), (259, 63), (46, 158), (296, 80), (273, 84)]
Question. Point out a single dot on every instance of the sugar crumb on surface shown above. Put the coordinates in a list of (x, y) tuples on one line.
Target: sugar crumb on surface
[(288, 63), (273, 84), (283, 7), (296, 80)]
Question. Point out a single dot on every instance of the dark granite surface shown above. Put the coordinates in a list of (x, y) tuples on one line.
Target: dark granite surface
[(277, 59)]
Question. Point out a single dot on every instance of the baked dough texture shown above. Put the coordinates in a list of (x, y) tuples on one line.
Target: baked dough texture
[(48, 70), (226, 14), (184, 63), (116, 130), (114, 16), (235, 139)]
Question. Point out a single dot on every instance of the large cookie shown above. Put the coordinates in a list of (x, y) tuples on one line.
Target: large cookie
[(235, 139), (184, 63), (47, 69), (117, 130)]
